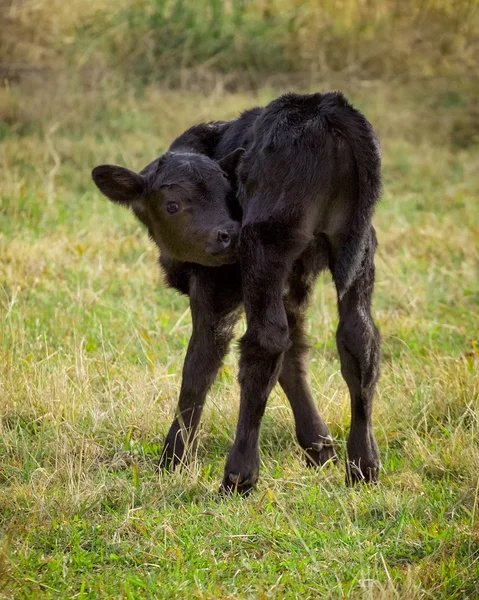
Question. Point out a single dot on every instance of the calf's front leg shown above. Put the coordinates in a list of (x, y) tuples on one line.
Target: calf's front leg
[(265, 261), (214, 314)]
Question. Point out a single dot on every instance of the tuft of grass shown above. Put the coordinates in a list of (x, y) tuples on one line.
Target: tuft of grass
[(91, 349)]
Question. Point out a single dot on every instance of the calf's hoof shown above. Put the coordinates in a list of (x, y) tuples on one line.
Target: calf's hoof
[(237, 484), (173, 452), (319, 453), (357, 472), (241, 472), (362, 461)]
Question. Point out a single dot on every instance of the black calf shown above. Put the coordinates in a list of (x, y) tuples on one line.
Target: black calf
[(305, 191)]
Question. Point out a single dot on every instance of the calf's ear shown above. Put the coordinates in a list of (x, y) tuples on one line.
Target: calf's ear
[(229, 163), (118, 184)]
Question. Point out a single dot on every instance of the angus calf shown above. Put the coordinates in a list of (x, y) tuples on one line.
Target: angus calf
[(301, 176)]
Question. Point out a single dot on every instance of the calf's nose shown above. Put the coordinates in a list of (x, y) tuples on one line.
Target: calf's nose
[(224, 237)]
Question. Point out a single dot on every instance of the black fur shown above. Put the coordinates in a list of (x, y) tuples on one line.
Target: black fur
[(304, 191)]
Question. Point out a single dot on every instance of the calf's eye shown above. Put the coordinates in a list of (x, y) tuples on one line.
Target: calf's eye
[(172, 207)]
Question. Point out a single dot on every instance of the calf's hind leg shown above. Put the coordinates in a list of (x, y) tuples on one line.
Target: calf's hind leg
[(358, 343)]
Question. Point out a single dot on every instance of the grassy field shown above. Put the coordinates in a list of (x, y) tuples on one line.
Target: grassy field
[(243, 40), (91, 349)]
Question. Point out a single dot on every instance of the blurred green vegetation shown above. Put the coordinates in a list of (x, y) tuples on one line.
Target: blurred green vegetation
[(244, 40)]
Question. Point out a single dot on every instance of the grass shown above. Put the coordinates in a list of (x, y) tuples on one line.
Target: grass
[(242, 40), (91, 348)]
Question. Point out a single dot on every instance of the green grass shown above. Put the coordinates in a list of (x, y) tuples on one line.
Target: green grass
[(91, 349)]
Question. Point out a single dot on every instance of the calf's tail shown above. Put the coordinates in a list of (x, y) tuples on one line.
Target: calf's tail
[(358, 132)]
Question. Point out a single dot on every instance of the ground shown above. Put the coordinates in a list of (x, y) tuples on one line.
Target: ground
[(91, 352)]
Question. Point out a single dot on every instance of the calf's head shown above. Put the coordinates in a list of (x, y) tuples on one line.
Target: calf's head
[(183, 199)]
